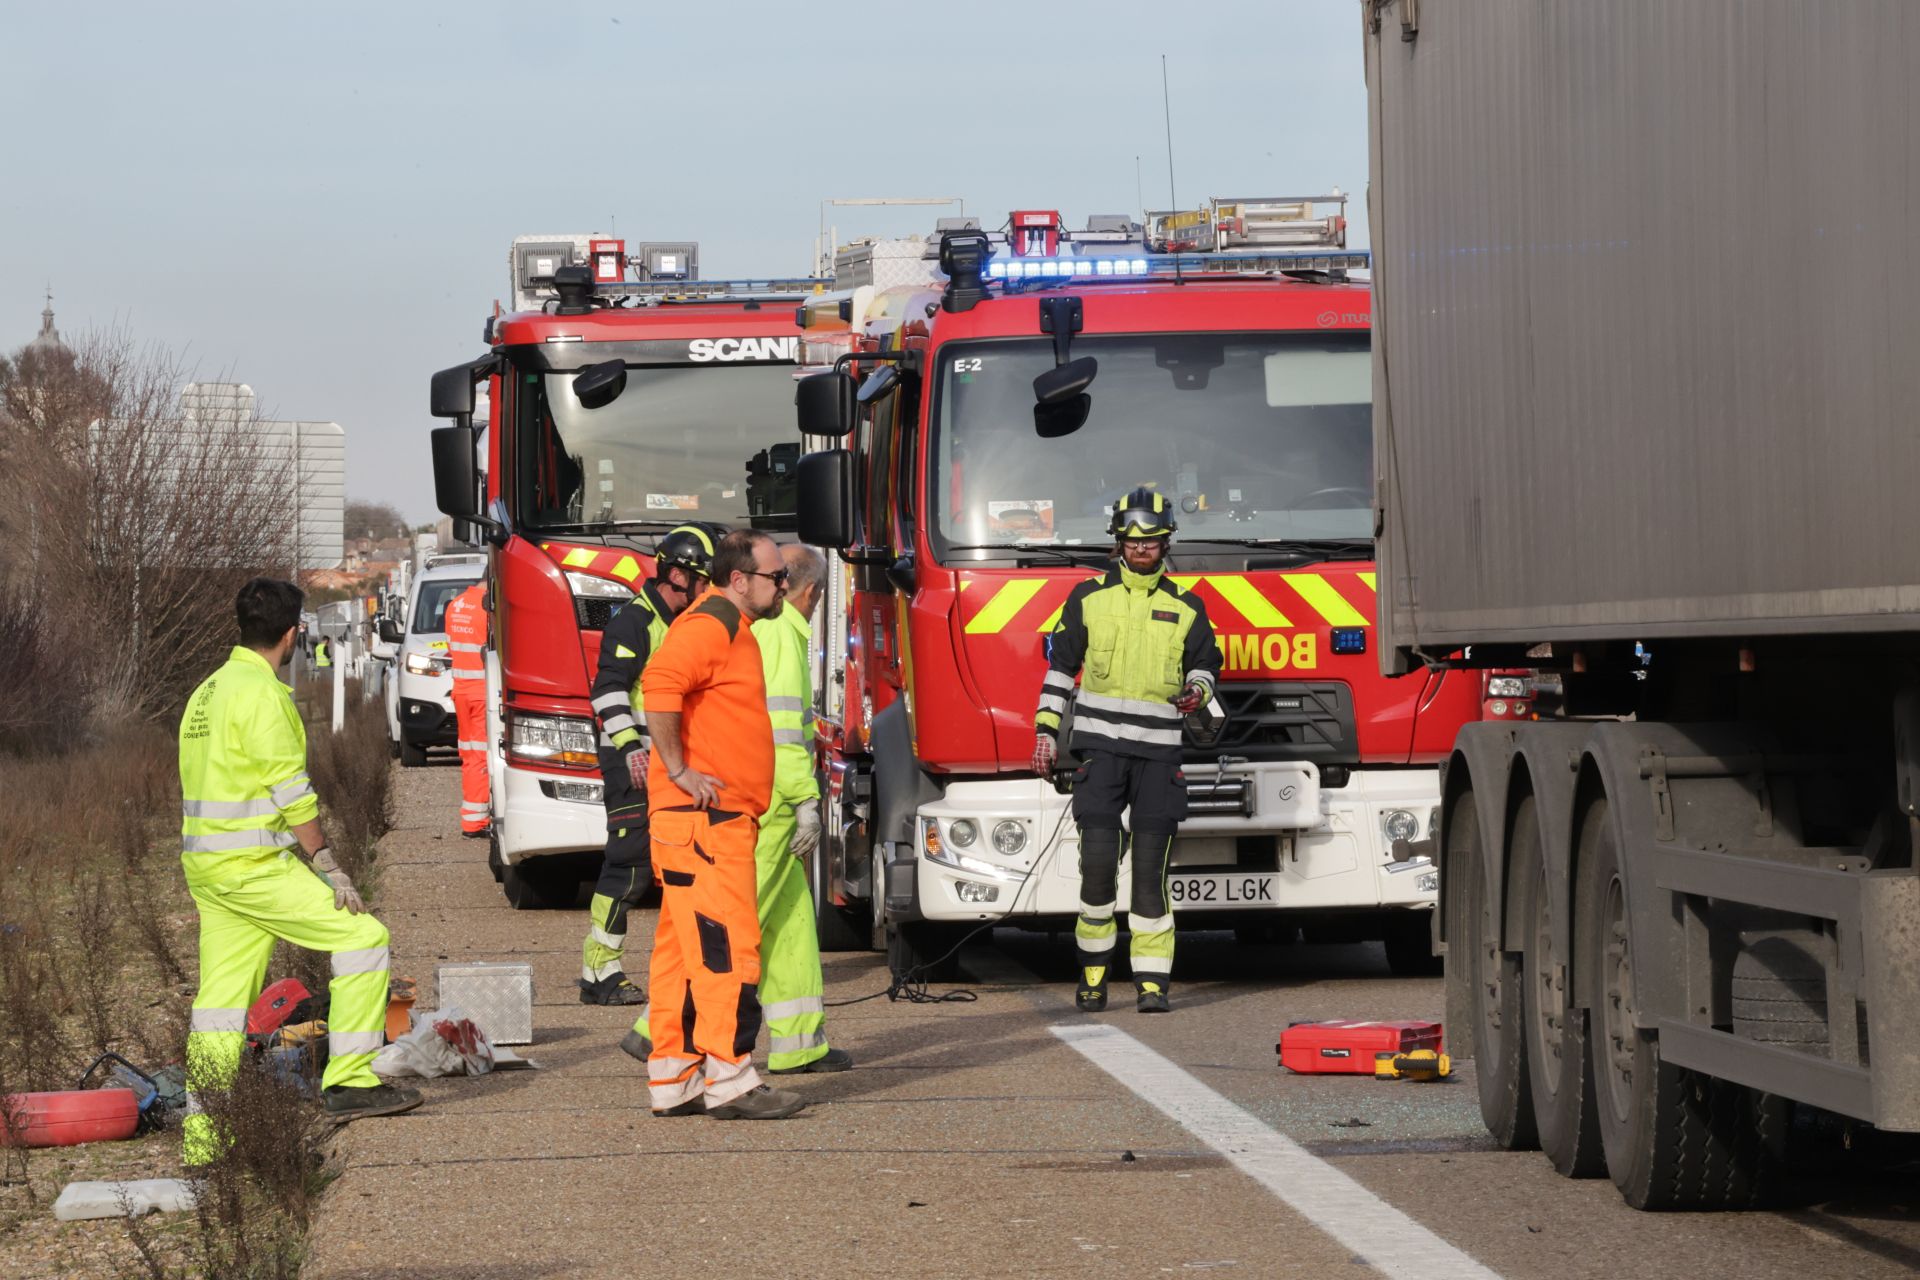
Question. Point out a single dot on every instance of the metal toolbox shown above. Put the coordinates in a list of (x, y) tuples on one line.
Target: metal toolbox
[(498, 996)]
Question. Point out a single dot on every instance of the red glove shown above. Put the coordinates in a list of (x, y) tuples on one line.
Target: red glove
[(637, 768), (1044, 754), (1188, 700)]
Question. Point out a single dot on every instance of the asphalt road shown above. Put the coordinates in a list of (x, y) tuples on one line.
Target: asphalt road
[(1001, 1136)]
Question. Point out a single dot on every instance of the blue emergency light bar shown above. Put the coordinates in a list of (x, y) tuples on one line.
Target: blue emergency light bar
[(1168, 264)]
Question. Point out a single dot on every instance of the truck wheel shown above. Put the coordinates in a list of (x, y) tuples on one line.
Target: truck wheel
[(1673, 1139), (537, 889), (1409, 944), (393, 748), (839, 929), (1560, 1074), (411, 756), (1499, 1042), (923, 951)]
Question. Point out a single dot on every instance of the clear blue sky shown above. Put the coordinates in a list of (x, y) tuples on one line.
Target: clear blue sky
[(319, 201)]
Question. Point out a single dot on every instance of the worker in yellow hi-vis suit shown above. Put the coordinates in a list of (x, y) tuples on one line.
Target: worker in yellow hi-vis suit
[(791, 985), (246, 805)]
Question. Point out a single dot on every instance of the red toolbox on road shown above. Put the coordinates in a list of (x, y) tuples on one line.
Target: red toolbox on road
[(1321, 1048)]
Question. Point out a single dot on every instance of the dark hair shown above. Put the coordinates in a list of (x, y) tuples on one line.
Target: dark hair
[(268, 608), (735, 554)]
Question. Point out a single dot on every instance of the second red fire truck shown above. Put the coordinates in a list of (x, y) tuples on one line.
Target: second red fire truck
[(992, 394)]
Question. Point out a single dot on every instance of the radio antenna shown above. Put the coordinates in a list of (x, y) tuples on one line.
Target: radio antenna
[(1166, 106)]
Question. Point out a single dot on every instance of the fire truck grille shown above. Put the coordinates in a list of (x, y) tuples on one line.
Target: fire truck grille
[(593, 615), (1305, 720)]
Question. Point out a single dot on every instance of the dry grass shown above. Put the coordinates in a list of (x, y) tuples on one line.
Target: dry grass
[(98, 952)]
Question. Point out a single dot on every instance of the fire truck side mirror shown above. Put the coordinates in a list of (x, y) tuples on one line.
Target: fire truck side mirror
[(824, 404), (825, 484), (452, 393), (455, 482)]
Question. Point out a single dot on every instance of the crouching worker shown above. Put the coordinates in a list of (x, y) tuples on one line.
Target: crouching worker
[(246, 808)]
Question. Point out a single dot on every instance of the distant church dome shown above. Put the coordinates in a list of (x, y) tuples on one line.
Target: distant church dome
[(48, 338)]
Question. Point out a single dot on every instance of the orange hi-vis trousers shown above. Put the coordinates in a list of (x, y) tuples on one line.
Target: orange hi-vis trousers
[(470, 715), (704, 987)]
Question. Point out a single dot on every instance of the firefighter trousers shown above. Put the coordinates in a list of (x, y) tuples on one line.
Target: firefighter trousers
[(626, 873), (791, 986), (1155, 793), (704, 980), (244, 910), (470, 717)]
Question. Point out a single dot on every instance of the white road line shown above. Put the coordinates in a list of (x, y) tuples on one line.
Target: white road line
[(1385, 1238)]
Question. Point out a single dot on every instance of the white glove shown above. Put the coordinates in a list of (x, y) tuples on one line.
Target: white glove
[(806, 828), (345, 897)]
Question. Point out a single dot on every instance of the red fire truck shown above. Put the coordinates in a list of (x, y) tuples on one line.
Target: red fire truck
[(973, 434), (625, 396)]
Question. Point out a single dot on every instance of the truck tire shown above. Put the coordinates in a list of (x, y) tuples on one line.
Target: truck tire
[(537, 888), (1560, 1072), (1499, 1039), (1674, 1139), (393, 748), (838, 928), (411, 756), (923, 951), (1780, 989), (1409, 944)]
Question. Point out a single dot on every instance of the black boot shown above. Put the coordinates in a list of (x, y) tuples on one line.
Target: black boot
[(612, 989), (1152, 998)]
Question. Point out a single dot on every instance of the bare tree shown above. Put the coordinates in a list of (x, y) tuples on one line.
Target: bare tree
[(141, 521)]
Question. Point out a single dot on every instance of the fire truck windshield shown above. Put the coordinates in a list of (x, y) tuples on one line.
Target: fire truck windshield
[(1255, 437), (679, 443)]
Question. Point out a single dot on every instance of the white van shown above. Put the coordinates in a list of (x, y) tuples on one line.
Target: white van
[(420, 696)]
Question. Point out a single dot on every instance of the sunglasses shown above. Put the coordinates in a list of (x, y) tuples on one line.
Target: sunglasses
[(778, 577)]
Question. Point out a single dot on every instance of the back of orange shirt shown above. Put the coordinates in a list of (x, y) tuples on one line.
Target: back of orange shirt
[(708, 669)]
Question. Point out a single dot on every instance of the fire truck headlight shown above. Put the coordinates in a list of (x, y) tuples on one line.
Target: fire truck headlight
[(1399, 824), (1506, 687), (1009, 837), (567, 741), (588, 587), (1429, 882), (968, 891), (963, 832)]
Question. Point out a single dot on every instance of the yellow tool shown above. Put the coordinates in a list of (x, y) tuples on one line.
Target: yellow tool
[(1419, 1065)]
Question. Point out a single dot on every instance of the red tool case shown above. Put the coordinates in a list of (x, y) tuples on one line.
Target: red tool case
[(1322, 1048)]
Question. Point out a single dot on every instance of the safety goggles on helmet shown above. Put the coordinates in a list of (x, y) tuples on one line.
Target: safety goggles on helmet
[(1142, 514)]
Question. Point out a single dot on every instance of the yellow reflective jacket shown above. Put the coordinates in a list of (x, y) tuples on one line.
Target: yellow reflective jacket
[(783, 641), (243, 767)]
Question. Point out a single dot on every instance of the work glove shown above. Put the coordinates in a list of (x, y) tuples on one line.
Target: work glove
[(1045, 753), (345, 897), (1188, 700), (806, 828), (637, 761)]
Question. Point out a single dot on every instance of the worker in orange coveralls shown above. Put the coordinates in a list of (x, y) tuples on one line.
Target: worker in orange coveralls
[(710, 780), (467, 643)]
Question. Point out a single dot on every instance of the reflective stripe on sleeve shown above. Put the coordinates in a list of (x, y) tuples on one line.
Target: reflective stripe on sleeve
[(365, 960), (293, 790), (789, 737), (218, 1020), (1058, 682), (619, 722), (227, 842), (782, 703), (611, 702), (1203, 678), (218, 809)]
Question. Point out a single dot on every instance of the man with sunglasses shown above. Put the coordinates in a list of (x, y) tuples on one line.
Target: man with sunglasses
[(683, 559), (711, 779)]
